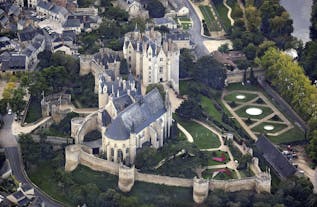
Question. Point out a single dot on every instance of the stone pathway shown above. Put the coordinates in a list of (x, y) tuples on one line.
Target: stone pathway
[(187, 134), (18, 129), (229, 12), (231, 164)]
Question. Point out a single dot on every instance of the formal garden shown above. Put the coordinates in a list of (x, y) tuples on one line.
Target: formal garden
[(185, 22), (261, 115), (209, 19)]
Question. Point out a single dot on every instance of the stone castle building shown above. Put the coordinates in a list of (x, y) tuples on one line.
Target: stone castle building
[(127, 119), (152, 57)]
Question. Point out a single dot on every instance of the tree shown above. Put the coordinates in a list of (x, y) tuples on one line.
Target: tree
[(156, 9), (253, 17), (250, 51), (16, 102), (224, 48), (210, 72), (186, 63), (124, 69), (189, 109)]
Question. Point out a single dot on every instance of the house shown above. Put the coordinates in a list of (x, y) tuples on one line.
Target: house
[(23, 196), (6, 44), (32, 50), (165, 21), (12, 62), (73, 24), (134, 8), (52, 11), (181, 39), (275, 158)]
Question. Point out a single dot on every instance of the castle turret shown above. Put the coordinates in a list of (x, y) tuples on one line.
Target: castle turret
[(200, 189), (126, 178)]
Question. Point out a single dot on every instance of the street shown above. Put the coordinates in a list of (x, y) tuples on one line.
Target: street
[(8, 141), (196, 37)]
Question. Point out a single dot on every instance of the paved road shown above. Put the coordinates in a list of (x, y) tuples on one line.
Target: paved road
[(196, 37), (8, 141)]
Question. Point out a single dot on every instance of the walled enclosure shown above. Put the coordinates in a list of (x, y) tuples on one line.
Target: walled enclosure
[(79, 154)]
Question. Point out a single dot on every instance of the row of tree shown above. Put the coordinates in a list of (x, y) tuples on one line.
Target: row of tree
[(289, 79)]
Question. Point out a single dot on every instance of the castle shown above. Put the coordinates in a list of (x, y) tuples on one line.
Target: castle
[(127, 119), (152, 57)]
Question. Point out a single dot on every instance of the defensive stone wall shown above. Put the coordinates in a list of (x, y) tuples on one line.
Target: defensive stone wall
[(77, 154), (80, 127)]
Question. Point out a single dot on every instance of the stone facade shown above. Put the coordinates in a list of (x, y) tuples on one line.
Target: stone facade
[(134, 8), (51, 105), (151, 57)]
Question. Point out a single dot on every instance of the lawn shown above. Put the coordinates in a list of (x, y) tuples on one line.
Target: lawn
[(202, 136), (277, 127), (209, 18), (292, 135), (220, 176), (222, 13), (217, 153), (241, 112), (233, 97), (34, 112), (210, 108)]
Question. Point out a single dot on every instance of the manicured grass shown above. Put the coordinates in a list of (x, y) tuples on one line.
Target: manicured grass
[(220, 176), (222, 13), (292, 135), (233, 96), (202, 136), (265, 112), (209, 107), (35, 111), (209, 18), (239, 86), (217, 153), (277, 127)]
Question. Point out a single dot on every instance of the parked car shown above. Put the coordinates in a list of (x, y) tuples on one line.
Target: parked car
[(9, 111)]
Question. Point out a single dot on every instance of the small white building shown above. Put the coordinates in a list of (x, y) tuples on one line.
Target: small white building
[(184, 11)]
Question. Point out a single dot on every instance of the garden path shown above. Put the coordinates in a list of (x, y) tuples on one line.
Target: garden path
[(187, 134), (231, 164), (229, 12)]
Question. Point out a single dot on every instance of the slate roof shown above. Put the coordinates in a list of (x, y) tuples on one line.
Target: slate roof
[(28, 34), (12, 61), (18, 195), (163, 20), (106, 118), (122, 102), (72, 23), (25, 187), (274, 157), (137, 116)]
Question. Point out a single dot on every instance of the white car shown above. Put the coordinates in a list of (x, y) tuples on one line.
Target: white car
[(10, 111)]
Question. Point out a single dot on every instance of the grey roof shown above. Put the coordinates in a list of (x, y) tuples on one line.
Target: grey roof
[(12, 61), (4, 20), (28, 34), (1, 12), (137, 116), (18, 195), (106, 118), (122, 102), (274, 157), (25, 187), (163, 20), (94, 144), (23, 202), (14, 9), (72, 23), (52, 7)]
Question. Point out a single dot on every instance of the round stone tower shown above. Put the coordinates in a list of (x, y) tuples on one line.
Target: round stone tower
[(126, 178), (200, 189)]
